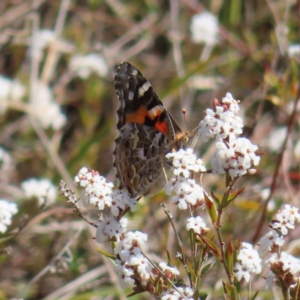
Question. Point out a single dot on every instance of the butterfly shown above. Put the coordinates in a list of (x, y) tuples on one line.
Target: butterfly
[(147, 132)]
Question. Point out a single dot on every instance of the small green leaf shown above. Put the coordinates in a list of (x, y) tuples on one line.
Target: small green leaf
[(211, 209), (192, 273), (234, 195), (206, 268), (229, 256), (213, 247), (216, 199), (230, 291)]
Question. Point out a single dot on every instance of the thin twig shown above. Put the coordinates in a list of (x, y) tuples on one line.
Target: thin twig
[(218, 227), (182, 256)]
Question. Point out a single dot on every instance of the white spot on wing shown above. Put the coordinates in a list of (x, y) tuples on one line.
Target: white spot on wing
[(134, 72), (130, 96), (144, 88), (140, 153), (155, 111)]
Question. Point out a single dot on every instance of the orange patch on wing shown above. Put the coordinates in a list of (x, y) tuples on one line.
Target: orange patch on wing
[(134, 118), (162, 126), (138, 116)]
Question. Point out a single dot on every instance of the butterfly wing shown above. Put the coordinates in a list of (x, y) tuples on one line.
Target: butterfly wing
[(146, 131)]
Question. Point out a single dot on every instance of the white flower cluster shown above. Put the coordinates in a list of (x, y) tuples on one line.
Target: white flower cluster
[(42, 189), (173, 294), (95, 188), (84, 65), (294, 50), (286, 266), (248, 261), (283, 265), (185, 162), (270, 243), (99, 192), (236, 157), (286, 219), (41, 39), (110, 229), (169, 271), (204, 28), (68, 193), (187, 191), (10, 90), (131, 265), (45, 108), (222, 122), (197, 224), (233, 154), (7, 210)]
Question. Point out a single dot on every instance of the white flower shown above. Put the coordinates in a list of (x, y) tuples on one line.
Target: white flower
[(270, 242), (175, 295), (130, 240), (231, 103), (286, 266), (7, 210), (68, 193), (95, 188), (125, 274), (294, 50), (110, 229), (187, 192), (196, 224), (204, 28), (121, 200), (271, 280), (169, 270), (141, 264), (248, 261), (40, 40), (286, 219), (185, 161), (43, 38), (46, 109), (237, 157), (289, 213), (84, 65), (42, 189), (131, 263), (221, 123), (240, 272), (10, 90)]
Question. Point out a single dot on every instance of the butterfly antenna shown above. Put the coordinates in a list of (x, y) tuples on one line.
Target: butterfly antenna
[(184, 117)]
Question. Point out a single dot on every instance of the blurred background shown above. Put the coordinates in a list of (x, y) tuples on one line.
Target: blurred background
[(58, 114)]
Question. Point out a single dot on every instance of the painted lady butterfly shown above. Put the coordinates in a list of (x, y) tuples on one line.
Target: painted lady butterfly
[(147, 132)]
